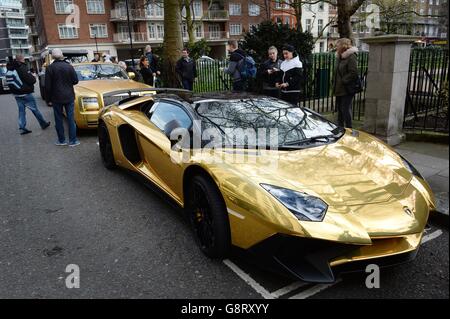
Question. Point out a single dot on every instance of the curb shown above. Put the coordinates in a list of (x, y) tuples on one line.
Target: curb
[(441, 215)]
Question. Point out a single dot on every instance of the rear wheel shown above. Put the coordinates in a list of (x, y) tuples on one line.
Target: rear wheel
[(106, 147), (209, 218)]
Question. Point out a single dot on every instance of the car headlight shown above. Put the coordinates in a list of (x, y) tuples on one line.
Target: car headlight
[(410, 167), (90, 102), (304, 206)]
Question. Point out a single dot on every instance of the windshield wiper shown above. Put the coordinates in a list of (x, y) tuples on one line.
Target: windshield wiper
[(315, 139)]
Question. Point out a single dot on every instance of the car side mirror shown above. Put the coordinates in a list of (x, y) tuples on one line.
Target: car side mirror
[(132, 75)]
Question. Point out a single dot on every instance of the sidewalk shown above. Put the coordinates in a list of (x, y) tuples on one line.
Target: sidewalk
[(432, 161)]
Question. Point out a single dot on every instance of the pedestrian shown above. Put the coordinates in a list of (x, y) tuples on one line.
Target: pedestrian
[(113, 60), (146, 72), (60, 78), (345, 78), (96, 58), (107, 58), (290, 77), (268, 72), (187, 70), (237, 57), (152, 60), (21, 84)]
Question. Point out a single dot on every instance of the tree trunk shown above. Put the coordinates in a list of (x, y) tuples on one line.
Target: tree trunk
[(344, 19), (173, 42), (190, 25)]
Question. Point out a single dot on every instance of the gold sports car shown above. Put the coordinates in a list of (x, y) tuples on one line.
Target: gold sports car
[(280, 182), (97, 83)]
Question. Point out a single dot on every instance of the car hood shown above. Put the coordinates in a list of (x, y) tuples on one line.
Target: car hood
[(107, 86), (353, 171)]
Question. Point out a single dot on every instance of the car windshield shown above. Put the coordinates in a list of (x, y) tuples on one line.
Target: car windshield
[(254, 122), (90, 72)]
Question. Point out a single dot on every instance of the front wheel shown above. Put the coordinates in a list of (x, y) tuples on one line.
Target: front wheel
[(209, 218), (105, 146)]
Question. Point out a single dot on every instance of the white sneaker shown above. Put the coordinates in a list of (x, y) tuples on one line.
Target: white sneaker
[(61, 144)]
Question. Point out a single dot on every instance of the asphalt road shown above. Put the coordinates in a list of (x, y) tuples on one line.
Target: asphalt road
[(59, 206)]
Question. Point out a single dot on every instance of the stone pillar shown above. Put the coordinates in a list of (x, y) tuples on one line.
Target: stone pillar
[(387, 81)]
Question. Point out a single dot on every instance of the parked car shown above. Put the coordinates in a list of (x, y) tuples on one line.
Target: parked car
[(3, 87), (313, 202), (96, 89)]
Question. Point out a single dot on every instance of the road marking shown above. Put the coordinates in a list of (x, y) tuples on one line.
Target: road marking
[(249, 280), (285, 290), (298, 284), (431, 236), (314, 290)]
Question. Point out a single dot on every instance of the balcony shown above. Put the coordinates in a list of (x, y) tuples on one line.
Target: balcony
[(14, 15), (20, 46), (137, 37), (135, 15), (216, 36), (216, 15), (18, 35)]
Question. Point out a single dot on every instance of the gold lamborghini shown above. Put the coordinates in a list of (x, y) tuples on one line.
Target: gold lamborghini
[(278, 181), (96, 83)]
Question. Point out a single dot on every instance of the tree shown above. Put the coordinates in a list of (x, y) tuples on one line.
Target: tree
[(173, 42), (268, 33), (346, 9)]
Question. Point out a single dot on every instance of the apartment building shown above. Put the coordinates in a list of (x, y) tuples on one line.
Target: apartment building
[(103, 24), (13, 30), (426, 23)]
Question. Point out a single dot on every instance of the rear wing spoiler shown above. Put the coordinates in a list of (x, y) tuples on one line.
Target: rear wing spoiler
[(132, 94)]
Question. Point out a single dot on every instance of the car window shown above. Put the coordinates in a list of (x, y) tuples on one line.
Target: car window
[(165, 112)]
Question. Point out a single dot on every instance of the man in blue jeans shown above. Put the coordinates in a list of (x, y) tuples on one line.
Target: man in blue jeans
[(60, 78), (21, 83)]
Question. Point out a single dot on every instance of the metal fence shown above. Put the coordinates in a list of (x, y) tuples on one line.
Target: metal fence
[(426, 99), (318, 88)]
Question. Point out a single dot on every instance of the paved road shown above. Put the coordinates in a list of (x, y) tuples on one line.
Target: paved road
[(59, 206)]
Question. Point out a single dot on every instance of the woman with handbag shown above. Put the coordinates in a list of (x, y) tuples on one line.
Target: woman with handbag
[(346, 82)]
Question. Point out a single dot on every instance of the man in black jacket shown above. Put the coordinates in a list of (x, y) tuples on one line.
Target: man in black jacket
[(268, 72), (60, 77), (187, 70), (21, 83), (237, 57)]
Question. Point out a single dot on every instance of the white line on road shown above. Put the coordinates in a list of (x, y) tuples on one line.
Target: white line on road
[(314, 290), (431, 236), (249, 280), (285, 290)]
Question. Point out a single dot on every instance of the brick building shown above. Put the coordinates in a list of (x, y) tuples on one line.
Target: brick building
[(103, 24)]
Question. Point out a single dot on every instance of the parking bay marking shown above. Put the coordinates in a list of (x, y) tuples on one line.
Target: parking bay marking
[(307, 293)]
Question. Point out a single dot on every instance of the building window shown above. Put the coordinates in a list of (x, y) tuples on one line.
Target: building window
[(98, 29), (235, 9), (67, 31), (253, 10), (63, 6), (199, 31), (155, 10), (95, 6), (235, 29), (156, 31)]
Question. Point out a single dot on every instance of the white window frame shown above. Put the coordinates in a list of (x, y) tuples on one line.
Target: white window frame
[(233, 8), (102, 6), (62, 25), (232, 25), (61, 5), (105, 35)]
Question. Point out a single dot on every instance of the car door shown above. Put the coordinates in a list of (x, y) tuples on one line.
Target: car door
[(157, 151)]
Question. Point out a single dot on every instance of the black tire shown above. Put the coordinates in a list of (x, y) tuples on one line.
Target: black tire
[(105, 146), (209, 218)]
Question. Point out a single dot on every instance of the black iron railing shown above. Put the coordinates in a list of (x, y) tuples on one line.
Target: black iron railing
[(318, 88), (426, 98)]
